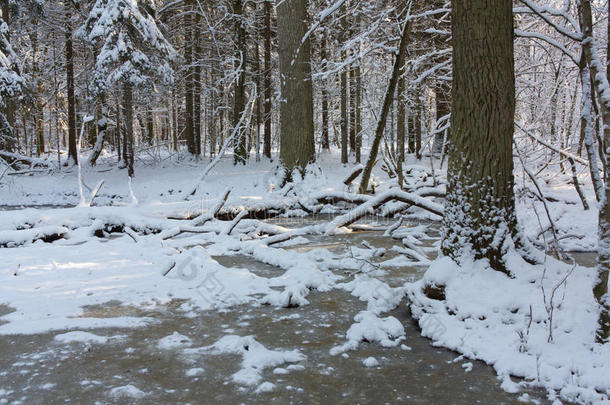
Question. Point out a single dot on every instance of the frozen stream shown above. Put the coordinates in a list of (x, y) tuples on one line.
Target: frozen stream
[(39, 369)]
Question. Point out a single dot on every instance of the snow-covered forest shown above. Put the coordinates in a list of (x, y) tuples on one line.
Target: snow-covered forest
[(292, 201)]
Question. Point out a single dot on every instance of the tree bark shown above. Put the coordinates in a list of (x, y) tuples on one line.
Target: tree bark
[(189, 116), (324, 96), (239, 100), (128, 114), (297, 145), (267, 80), (343, 119), (197, 81), (600, 290), (72, 155), (480, 218), (8, 135)]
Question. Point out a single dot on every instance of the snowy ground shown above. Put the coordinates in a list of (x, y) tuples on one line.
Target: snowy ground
[(100, 295)]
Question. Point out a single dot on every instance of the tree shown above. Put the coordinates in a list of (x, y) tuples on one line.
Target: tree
[(11, 85), (267, 81), (297, 147), (602, 87), (239, 98), (133, 52), (479, 215), (72, 150), (385, 109)]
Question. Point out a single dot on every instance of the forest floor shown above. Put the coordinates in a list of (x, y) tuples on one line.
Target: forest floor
[(122, 301)]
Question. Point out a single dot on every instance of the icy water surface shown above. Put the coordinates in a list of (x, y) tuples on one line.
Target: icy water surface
[(38, 369)]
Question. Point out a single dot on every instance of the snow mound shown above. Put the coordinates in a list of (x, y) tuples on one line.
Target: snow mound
[(174, 341), (194, 372), (127, 391), (388, 332), (370, 362), (80, 337), (255, 358)]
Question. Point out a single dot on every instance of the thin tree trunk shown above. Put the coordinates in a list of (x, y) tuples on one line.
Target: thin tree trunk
[(128, 108), (324, 96), (343, 120), (400, 121), (239, 100), (102, 126), (358, 112), (72, 155), (189, 131), (387, 102), (267, 80), (197, 81)]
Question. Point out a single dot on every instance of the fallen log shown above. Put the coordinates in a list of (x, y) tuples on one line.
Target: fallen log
[(47, 234)]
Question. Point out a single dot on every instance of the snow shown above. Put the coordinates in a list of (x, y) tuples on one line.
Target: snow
[(64, 285), (193, 372), (80, 337), (486, 316), (127, 391), (174, 341), (255, 358), (370, 362)]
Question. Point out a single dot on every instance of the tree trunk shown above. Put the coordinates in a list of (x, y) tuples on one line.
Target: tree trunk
[(443, 107), (324, 96), (343, 120), (358, 112), (72, 155), (267, 80), (387, 102), (197, 81), (239, 100), (189, 116), (400, 119), (297, 145), (128, 114), (8, 134), (102, 126), (480, 215), (600, 290)]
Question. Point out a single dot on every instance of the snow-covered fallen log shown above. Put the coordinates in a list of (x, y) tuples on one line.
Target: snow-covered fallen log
[(13, 238)]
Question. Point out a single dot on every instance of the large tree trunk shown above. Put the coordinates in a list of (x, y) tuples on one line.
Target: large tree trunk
[(297, 147), (239, 100), (267, 80), (480, 215), (72, 155), (387, 102)]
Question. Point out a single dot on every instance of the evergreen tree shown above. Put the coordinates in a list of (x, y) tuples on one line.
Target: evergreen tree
[(133, 53)]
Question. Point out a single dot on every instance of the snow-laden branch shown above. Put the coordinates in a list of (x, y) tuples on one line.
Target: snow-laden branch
[(546, 12), (548, 40)]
